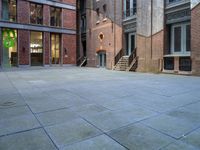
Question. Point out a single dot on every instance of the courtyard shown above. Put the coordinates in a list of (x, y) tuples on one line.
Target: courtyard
[(75, 108)]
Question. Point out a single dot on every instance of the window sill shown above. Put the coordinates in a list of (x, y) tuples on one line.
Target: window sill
[(98, 22), (105, 19), (177, 72), (178, 55)]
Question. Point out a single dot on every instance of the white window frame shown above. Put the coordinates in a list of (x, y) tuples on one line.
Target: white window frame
[(183, 39), (129, 42), (130, 9)]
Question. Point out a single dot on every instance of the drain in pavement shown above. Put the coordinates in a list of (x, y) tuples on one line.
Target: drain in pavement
[(7, 104)]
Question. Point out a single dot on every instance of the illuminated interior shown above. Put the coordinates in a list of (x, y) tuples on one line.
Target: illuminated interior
[(10, 54), (55, 49)]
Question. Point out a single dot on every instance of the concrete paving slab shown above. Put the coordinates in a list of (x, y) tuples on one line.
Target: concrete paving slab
[(179, 146), (101, 142), (30, 140), (111, 120), (172, 126), (88, 110), (193, 139), (140, 137), (71, 132), (56, 117), (16, 119)]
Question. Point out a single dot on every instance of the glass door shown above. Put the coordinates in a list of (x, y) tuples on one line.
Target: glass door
[(55, 49), (131, 43), (10, 58), (102, 60)]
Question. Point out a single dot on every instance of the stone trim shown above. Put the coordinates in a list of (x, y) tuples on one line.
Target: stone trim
[(36, 28), (55, 4)]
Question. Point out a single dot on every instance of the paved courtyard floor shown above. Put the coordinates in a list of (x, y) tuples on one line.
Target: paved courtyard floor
[(96, 109)]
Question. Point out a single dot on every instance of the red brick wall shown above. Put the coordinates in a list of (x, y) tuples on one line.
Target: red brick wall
[(195, 39), (69, 19), (23, 9), (69, 42), (150, 61), (46, 15), (47, 48), (24, 47)]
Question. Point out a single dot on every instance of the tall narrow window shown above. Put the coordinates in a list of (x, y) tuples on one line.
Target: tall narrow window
[(188, 37), (36, 46), (104, 11), (9, 10), (98, 14), (177, 39), (180, 38), (55, 16), (130, 7), (36, 14)]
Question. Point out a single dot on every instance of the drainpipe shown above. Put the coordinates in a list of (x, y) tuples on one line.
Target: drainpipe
[(114, 29), (151, 28)]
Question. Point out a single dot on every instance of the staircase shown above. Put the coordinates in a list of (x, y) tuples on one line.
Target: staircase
[(122, 64), (126, 63)]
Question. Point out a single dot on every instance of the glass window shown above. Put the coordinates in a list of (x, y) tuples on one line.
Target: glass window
[(177, 39), (9, 11), (181, 38), (104, 11), (130, 7), (55, 16), (98, 14), (36, 14), (188, 37), (36, 46)]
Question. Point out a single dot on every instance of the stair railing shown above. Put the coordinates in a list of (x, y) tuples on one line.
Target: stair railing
[(80, 60), (118, 56), (132, 57)]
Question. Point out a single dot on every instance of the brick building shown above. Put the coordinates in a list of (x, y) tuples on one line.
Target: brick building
[(100, 31), (156, 36), (37, 32)]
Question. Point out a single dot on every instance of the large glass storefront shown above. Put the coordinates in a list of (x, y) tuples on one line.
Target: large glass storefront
[(9, 42), (55, 49), (36, 48)]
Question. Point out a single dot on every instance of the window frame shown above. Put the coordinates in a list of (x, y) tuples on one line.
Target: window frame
[(42, 7), (183, 38), (56, 17), (16, 18)]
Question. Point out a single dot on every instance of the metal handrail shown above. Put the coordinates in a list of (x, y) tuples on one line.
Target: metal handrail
[(119, 55), (131, 57)]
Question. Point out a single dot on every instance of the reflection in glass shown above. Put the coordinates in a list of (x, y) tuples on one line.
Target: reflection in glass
[(36, 46), (55, 49), (36, 14), (9, 10)]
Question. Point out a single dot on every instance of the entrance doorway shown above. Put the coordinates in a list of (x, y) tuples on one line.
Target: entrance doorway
[(55, 49), (102, 59), (36, 48), (9, 42), (131, 45)]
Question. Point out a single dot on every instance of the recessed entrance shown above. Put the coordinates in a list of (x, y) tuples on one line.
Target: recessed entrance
[(131, 43), (55, 49), (9, 42), (102, 59)]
